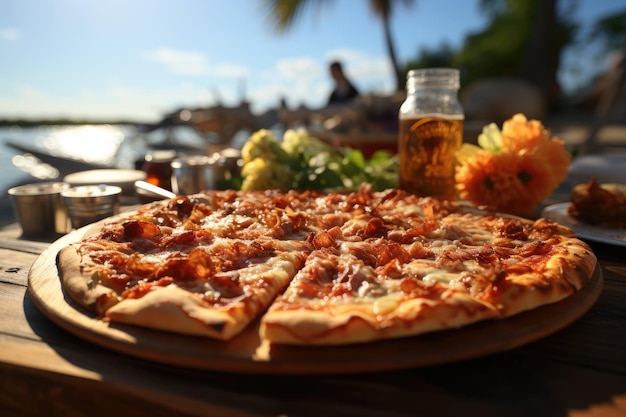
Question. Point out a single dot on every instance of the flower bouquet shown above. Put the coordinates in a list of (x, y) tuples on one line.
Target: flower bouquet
[(512, 170)]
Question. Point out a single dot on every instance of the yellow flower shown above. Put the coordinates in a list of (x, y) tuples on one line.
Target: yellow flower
[(293, 142), (266, 174), (257, 175), (300, 141), (259, 145), (513, 170)]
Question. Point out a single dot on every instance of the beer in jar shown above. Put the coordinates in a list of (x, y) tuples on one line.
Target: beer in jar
[(431, 131)]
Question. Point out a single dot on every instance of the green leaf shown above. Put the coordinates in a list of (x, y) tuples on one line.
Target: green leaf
[(314, 165), (353, 164), (380, 158)]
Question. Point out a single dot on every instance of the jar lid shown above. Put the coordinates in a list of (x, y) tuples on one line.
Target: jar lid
[(434, 78)]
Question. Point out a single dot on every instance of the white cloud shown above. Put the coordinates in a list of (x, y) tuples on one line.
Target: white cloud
[(298, 68), (9, 34), (193, 63), (229, 70), (181, 62), (296, 79)]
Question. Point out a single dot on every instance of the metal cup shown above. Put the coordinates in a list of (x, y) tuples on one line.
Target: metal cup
[(194, 173), (90, 203), (39, 208)]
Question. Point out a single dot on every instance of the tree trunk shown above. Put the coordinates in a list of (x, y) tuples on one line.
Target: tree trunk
[(542, 56), (399, 77)]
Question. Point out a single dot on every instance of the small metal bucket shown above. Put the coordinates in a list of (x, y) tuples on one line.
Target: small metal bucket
[(90, 203), (39, 208), (194, 173)]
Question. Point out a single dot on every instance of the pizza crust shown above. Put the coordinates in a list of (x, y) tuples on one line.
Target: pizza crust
[(565, 273), (580, 263), (176, 310), (345, 325), (80, 287)]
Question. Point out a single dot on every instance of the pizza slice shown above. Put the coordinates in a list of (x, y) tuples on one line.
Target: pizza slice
[(530, 264), (178, 280), (355, 292)]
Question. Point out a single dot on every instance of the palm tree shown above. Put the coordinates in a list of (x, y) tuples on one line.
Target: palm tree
[(284, 13)]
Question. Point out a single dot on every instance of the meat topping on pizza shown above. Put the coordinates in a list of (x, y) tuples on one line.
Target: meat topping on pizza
[(319, 268)]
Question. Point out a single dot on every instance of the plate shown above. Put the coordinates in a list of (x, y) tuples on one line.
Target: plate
[(123, 178), (246, 353), (558, 213), (605, 168)]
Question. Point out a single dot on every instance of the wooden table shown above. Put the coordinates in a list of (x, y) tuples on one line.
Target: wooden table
[(44, 370)]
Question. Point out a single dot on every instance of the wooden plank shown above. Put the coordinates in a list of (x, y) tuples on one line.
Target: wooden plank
[(51, 394), (614, 293), (40, 356), (14, 266), (499, 385), (597, 340), (14, 308), (23, 245)]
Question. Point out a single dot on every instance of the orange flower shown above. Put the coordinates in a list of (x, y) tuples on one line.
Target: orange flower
[(556, 158), (515, 170), (519, 134)]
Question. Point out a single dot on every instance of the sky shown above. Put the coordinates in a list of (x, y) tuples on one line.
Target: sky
[(140, 59)]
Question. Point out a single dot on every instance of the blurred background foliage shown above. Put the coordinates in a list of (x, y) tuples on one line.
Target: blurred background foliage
[(523, 39)]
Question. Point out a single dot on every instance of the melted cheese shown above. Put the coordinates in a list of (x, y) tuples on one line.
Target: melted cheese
[(440, 276), (377, 252)]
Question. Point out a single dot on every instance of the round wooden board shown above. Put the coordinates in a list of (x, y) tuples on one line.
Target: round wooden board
[(247, 354)]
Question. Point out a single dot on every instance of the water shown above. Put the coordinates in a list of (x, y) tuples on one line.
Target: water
[(109, 145), (91, 143)]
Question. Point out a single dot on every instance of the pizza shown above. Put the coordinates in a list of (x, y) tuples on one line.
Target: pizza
[(319, 268)]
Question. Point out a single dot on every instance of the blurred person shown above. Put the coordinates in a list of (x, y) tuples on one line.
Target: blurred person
[(344, 90)]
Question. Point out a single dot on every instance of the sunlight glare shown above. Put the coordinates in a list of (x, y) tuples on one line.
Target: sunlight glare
[(90, 143)]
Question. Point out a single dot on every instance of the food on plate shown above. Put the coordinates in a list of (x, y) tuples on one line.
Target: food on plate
[(315, 268), (599, 204)]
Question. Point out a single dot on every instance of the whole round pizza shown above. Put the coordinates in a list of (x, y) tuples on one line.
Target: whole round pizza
[(317, 268)]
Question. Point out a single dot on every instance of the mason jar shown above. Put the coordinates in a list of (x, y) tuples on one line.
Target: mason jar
[(431, 131)]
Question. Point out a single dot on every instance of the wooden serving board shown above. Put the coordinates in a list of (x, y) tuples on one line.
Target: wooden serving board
[(246, 353)]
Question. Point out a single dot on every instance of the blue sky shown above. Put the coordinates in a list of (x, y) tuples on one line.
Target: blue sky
[(138, 59)]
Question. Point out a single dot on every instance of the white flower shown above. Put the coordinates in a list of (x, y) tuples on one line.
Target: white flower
[(491, 138)]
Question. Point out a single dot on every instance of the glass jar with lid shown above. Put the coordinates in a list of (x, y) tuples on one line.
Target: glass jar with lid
[(431, 131)]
